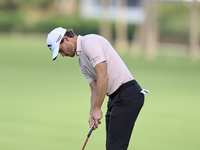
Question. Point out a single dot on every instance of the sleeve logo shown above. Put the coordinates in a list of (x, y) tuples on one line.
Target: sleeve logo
[(93, 59)]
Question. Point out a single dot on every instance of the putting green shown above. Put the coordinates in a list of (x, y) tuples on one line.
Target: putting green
[(45, 104)]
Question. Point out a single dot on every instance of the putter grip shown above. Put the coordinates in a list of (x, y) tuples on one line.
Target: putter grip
[(90, 131)]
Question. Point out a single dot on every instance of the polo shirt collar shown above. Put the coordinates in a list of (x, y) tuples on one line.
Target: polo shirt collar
[(78, 49)]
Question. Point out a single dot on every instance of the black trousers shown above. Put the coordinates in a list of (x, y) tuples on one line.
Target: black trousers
[(121, 115)]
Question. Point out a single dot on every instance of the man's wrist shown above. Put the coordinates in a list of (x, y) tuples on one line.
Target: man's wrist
[(96, 108), (91, 110)]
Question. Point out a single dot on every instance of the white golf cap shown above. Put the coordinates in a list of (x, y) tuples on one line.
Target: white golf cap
[(53, 40)]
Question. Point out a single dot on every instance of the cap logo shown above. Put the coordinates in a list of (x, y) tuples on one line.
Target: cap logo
[(49, 46), (58, 39)]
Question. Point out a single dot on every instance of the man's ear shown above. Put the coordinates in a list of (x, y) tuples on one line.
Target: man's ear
[(66, 38)]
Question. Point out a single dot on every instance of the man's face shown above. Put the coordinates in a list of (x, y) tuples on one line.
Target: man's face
[(67, 47)]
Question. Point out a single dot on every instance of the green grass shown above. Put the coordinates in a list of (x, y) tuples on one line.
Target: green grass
[(45, 104)]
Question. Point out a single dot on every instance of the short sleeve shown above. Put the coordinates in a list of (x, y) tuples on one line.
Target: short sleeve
[(94, 51)]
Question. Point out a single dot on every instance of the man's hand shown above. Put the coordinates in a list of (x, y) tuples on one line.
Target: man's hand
[(95, 117)]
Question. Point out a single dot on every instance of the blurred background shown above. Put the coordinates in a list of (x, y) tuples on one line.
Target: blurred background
[(134, 25), (45, 104)]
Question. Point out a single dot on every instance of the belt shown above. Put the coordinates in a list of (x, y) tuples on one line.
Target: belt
[(122, 87)]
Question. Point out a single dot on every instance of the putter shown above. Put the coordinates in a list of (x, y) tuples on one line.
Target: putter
[(91, 129)]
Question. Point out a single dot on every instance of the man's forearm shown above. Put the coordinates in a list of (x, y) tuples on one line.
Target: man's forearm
[(93, 86), (93, 97), (98, 93), (101, 92)]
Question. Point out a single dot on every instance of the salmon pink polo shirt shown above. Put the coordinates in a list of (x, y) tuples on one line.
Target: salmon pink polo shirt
[(93, 49)]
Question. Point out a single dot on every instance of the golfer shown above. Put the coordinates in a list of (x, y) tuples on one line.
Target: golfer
[(106, 74)]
